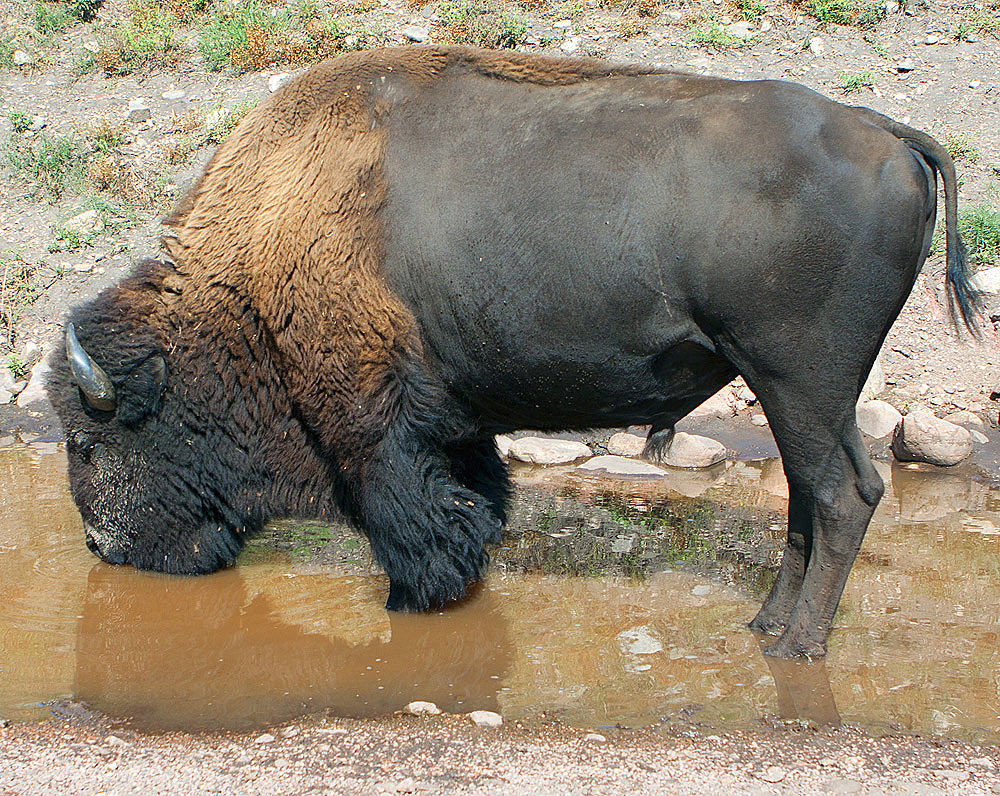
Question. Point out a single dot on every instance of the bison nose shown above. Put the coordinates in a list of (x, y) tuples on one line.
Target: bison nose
[(105, 551)]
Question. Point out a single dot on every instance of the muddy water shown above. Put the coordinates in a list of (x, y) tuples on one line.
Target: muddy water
[(609, 603)]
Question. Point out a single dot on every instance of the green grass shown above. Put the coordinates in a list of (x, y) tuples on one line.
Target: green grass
[(51, 164), (19, 287), (855, 81), (83, 10), (234, 35), (864, 15), (985, 23), (144, 38), (17, 367), (19, 120), (50, 18), (750, 10), (960, 147), (712, 34), (979, 226), (484, 23), (222, 125)]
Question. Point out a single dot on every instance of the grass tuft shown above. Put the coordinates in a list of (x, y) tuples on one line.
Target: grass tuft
[(864, 14), (483, 23), (855, 81), (144, 38), (712, 34)]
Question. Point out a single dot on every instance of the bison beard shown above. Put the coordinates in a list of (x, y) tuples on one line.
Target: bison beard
[(405, 252)]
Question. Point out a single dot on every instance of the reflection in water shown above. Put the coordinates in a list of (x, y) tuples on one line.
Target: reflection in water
[(610, 602), (208, 652), (804, 691)]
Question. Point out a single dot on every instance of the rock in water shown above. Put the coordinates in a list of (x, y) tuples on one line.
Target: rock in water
[(536, 450), (877, 418), (623, 467), (418, 708), (485, 718), (693, 452), (922, 437), (622, 444)]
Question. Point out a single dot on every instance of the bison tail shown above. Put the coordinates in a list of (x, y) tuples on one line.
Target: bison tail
[(962, 296)]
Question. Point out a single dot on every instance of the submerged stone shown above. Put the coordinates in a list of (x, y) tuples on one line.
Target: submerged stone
[(622, 467)]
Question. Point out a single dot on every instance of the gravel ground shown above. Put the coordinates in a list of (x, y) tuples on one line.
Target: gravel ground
[(82, 754)]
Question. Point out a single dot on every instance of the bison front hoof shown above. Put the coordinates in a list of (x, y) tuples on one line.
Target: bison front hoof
[(768, 625)]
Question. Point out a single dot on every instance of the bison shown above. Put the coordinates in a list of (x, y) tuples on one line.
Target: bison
[(404, 252)]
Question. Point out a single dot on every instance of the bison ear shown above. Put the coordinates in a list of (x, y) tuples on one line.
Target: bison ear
[(142, 391)]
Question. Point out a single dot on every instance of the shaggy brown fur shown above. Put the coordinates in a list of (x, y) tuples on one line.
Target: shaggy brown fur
[(287, 210)]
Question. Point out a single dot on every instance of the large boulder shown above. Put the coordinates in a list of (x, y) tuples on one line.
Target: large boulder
[(922, 437), (877, 418), (538, 450), (34, 393)]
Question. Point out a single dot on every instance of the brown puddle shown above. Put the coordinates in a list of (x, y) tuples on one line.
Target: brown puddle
[(609, 604)]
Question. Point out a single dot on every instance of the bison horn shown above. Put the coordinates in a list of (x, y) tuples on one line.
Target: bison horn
[(94, 383)]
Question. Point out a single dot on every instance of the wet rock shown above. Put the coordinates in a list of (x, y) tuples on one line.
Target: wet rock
[(274, 82), (594, 737), (622, 444), (138, 111), (264, 739), (21, 58), (987, 280), (417, 33), (877, 418), (485, 718), (34, 393), (418, 708), (694, 452), (842, 786), (922, 437), (536, 450), (638, 641), (964, 417), (623, 467), (816, 45), (503, 443), (86, 223)]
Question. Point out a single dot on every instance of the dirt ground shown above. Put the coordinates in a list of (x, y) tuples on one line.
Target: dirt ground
[(949, 88)]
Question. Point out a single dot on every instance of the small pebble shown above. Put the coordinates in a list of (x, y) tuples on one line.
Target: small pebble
[(265, 738), (418, 708), (594, 737), (485, 718)]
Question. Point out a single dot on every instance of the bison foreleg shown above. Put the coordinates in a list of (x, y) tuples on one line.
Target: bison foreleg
[(427, 531), (476, 465)]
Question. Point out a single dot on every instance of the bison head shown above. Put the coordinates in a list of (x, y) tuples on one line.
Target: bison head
[(179, 435)]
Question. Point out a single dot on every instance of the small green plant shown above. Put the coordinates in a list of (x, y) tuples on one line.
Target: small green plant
[(855, 81), (83, 10), (961, 147), (750, 10), (18, 367), (50, 18), (985, 23), (239, 36), (979, 226), (146, 37), (50, 163), (68, 240), (713, 34), (104, 134), (875, 44), (84, 62), (484, 23), (864, 15), (20, 122)]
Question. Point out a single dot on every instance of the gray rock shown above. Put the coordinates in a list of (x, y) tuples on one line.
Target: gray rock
[(274, 82), (622, 467), (503, 443), (745, 394), (978, 436), (114, 740), (693, 452), (987, 280), (6, 385), (906, 65), (742, 30), (265, 738), (875, 383), (594, 737), (758, 420), (877, 418), (638, 641), (86, 223), (674, 16), (622, 444), (536, 450), (21, 58), (922, 437), (34, 393), (563, 24), (816, 45), (138, 111), (485, 718), (419, 708), (718, 405), (964, 417), (417, 33), (173, 94), (571, 45)]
